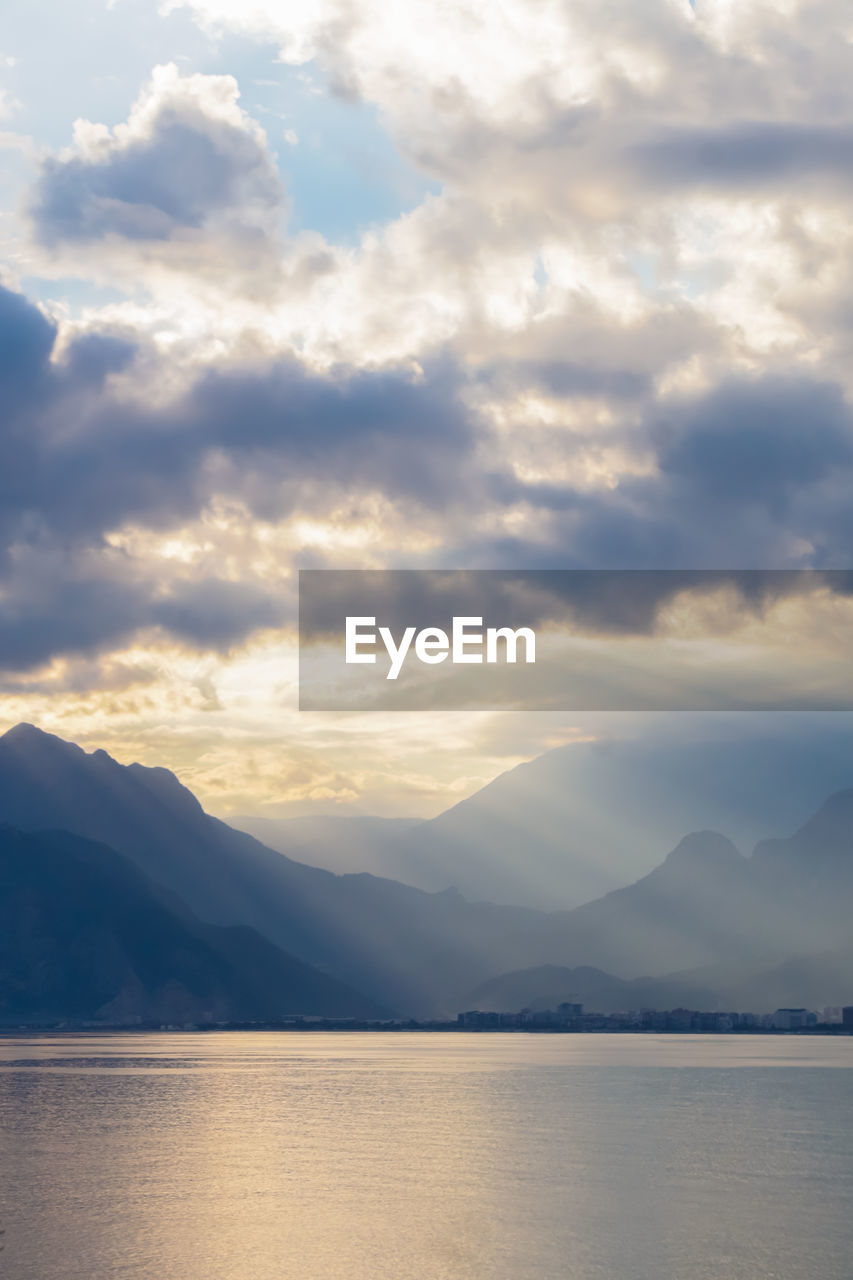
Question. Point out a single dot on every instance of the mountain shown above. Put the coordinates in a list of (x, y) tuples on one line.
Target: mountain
[(706, 904), (422, 953), (694, 909), (815, 863), (583, 819), (719, 930), (340, 843), (546, 986), (84, 935), (808, 982), (407, 950)]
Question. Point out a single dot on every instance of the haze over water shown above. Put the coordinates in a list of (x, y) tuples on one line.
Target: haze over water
[(262, 1156)]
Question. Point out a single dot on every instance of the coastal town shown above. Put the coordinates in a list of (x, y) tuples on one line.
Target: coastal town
[(567, 1017)]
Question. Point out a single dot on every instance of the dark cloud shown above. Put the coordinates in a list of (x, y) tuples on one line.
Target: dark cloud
[(745, 155), (760, 443), (385, 428), (754, 473), (83, 456), (58, 604), (216, 614), (27, 341), (52, 605), (570, 378), (625, 602)]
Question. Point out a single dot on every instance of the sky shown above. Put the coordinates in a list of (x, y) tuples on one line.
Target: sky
[(354, 285)]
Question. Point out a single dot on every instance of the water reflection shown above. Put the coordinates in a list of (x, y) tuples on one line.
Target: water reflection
[(416, 1157)]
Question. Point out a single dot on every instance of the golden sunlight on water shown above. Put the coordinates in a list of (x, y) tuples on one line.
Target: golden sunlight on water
[(260, 1156)]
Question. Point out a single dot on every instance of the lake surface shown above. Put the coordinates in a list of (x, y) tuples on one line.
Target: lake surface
[(314, 1156)]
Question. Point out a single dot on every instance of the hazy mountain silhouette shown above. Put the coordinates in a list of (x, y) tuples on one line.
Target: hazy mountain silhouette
[(756, 932), (546, 986), (582, 819), (690, 911), (706, 904), (417, 952), (816, 862), (808, 982), (345, 844), (84, 935), (411, 951)]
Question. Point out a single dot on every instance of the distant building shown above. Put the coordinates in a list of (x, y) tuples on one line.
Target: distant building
[(789, 1019), (832, 1013), (681, 1019), (569, 1016), (847, 1017), (483, 1020)]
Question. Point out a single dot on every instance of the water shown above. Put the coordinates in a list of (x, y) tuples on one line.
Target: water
[(256, 1156)]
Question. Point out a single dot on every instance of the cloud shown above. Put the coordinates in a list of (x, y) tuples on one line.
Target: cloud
[(594, 348), (477, 81), (86, 453), (610, 602), (736, 480), (619, 336), (634, 154), (746, 156), (759, 442), (27, 342), (8, 104), (189, 173), (213, 614), (752, 473), (736, 483)]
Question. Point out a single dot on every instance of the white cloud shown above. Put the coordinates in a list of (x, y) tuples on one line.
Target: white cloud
[(8, 104), (638, 201), (586, 137), (185, 184)]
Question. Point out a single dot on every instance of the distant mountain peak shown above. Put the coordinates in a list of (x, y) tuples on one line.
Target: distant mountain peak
[(704, 846), (21, 729), (32, 758), (25, 732), (827, 836), (31, 744), (833, 822), (838, 805)]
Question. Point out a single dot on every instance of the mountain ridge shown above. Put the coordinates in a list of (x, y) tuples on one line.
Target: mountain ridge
[(84, 934), (585, 818), (421, 953)]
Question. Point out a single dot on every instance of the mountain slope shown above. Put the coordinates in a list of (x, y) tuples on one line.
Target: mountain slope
[(693, 908), (408, 950), (546, 986), (808, 982), (582, 819), (422, 953), (84, 935), (343, 844), (812, 871)]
